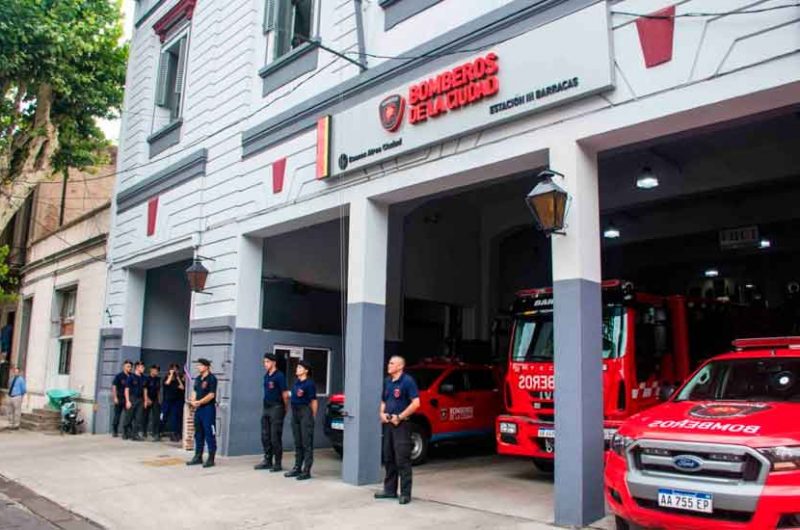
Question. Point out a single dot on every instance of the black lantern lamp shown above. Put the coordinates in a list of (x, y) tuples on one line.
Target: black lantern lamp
[(548, 203), (196, 275)]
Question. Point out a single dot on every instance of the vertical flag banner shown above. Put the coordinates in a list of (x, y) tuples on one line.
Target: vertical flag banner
[(152, 212), (323, 147)]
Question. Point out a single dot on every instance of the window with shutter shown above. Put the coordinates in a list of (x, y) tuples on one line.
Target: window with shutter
[(172, 77), (269, 15), (291, 22), (163, 74), (180, 76)]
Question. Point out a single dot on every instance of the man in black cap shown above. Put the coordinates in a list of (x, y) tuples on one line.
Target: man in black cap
[(304, 409), (276, 400), (204, 402)]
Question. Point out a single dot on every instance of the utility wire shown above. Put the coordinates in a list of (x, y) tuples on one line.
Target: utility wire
[(430, 55), (705, 15)]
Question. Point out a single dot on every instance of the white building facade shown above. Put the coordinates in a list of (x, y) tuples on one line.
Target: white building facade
[(246, 142)]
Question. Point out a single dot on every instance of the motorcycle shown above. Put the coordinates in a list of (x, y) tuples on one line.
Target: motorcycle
[(70, 416), (65, 402)]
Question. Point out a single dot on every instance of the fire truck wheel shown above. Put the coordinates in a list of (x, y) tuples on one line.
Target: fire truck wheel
[(545, 465), (420, 441)]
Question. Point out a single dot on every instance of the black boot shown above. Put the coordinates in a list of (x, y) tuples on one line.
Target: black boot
[(266, 463), (293, 473), (210, 461), (196, 461), (277, 467), (304, 475)]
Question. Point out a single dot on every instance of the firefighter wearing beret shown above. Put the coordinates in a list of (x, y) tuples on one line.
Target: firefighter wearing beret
[(276, 401), (204, 402), (304, 409)]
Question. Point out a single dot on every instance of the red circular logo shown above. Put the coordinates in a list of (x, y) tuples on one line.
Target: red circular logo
[(391, 111), (204, 384), (300, 392), (271, 385), (397, 393)]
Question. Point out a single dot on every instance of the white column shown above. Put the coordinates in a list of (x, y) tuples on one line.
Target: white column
[(365, 336), (248, 287), (135, 283), (578, 342)]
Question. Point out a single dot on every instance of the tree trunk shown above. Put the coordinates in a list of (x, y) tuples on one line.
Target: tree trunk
[(36, 147)]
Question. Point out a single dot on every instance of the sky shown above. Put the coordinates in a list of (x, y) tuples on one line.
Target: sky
[(111, 127)]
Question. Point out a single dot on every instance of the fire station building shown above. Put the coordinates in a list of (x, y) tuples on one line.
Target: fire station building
[(353, 177)]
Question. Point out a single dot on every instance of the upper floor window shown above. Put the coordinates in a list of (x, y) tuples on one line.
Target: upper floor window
[(289, 24), (171, 79)]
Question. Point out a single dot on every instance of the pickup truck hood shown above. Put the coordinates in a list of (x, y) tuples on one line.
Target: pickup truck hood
[(737, 422)]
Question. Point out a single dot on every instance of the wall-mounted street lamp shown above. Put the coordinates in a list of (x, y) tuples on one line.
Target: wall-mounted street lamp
[(197, 274), (548, 203)]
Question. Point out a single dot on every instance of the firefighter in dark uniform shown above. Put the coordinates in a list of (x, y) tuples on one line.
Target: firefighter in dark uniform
[(276, 401), (118, 393), (133, 424), (204, 402), (304, 410), (152, 403), (400, 401)]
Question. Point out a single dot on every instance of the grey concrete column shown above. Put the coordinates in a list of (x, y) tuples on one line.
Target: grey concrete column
[(578, 343), (364, 341)]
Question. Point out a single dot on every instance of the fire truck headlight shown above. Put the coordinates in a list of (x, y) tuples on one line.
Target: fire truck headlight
[(508, 427), (783, 458), (620, 443)]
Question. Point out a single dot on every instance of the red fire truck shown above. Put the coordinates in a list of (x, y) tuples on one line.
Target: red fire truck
[(722, 453), (646, 345)]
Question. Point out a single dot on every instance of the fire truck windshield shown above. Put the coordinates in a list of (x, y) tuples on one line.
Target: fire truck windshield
[(772, 379), (533, 336)]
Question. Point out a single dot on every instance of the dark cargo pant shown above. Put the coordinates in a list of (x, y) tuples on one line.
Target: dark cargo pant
[(272, 432), (154, 419), (397, 458), (303, 431), (119, 410), (133, 422)]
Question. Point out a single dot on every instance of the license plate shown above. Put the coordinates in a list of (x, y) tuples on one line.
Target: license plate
[(337, 425), (685, 500), (545, 432)]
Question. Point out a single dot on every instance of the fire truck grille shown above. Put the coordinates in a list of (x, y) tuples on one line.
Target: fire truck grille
[(731, 462), (725, 515)]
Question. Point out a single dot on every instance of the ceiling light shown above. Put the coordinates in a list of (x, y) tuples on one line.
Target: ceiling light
[(749, 286), (647, 180), (611, 232), (764, 243), (712, 273)]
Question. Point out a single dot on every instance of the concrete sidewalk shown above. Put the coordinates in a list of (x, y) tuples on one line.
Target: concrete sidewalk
[(136, 485)]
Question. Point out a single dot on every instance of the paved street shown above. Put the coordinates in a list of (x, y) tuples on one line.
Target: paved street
[(115, 484)]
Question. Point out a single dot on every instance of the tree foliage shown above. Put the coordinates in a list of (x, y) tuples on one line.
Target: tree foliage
[(62, 66), (7, 281)]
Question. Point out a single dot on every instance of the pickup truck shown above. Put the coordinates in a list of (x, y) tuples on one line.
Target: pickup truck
[(458, 401), (722, 452)]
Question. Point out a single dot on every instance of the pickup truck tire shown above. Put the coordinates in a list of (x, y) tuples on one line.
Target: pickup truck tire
[(545, 465), (622, 524), (420, 443)]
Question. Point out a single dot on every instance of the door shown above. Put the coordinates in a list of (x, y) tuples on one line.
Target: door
[(456, 403), (485, 393)]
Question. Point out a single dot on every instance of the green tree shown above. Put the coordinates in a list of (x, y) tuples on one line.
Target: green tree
[(62, 66), (7, 282)]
